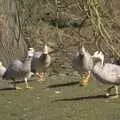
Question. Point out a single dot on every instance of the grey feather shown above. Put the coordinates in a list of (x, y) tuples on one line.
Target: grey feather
[(19, 69), (107, 74), (40, 62), (82, 61)]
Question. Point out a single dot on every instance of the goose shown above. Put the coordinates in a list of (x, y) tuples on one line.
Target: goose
[(106, 73), (20, 69), (83, 62), (40, 62)]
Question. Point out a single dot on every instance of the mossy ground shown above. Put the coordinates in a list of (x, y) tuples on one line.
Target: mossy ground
[(58, 98)]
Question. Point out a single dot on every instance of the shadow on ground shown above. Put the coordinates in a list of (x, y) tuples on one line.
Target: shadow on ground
[(7, 89), (63, 84), (22, 81), (82, 98)]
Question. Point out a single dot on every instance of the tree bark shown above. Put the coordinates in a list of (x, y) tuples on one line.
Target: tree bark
[(12, 44)]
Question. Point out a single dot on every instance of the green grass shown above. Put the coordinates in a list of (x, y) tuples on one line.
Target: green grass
[(72, 103)]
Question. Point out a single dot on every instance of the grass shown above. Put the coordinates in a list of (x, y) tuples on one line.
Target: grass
[(72, 103)]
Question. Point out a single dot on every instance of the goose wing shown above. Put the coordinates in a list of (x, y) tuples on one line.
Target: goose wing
[(35, 64), (37, 54), (13, 69), (109, 72), (113, 70)]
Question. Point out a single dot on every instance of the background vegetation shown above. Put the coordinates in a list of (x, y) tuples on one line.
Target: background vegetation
[(64, 25)]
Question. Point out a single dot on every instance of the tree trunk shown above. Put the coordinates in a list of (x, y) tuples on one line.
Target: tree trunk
[(12, 45)]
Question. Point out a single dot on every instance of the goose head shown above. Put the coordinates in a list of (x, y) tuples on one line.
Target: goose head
[(79, 54), (45, 50), (99, 55), (83, 50), (30, 52)]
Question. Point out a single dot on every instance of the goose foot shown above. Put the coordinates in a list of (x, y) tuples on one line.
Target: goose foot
[(113, 97), (40, 80), (29, 87), (107, 94), (108, 91), (18, 88), (84, 81), (41, 76)]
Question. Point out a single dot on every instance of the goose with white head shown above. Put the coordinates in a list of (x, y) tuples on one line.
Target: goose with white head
[(106, 73), (40, 62), (83, 61), (20, 69)]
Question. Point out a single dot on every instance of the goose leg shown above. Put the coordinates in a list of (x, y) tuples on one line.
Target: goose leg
[(41, 76), (26, 84), (14, 85), (116, 93), (108, 91), (84, 81)]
